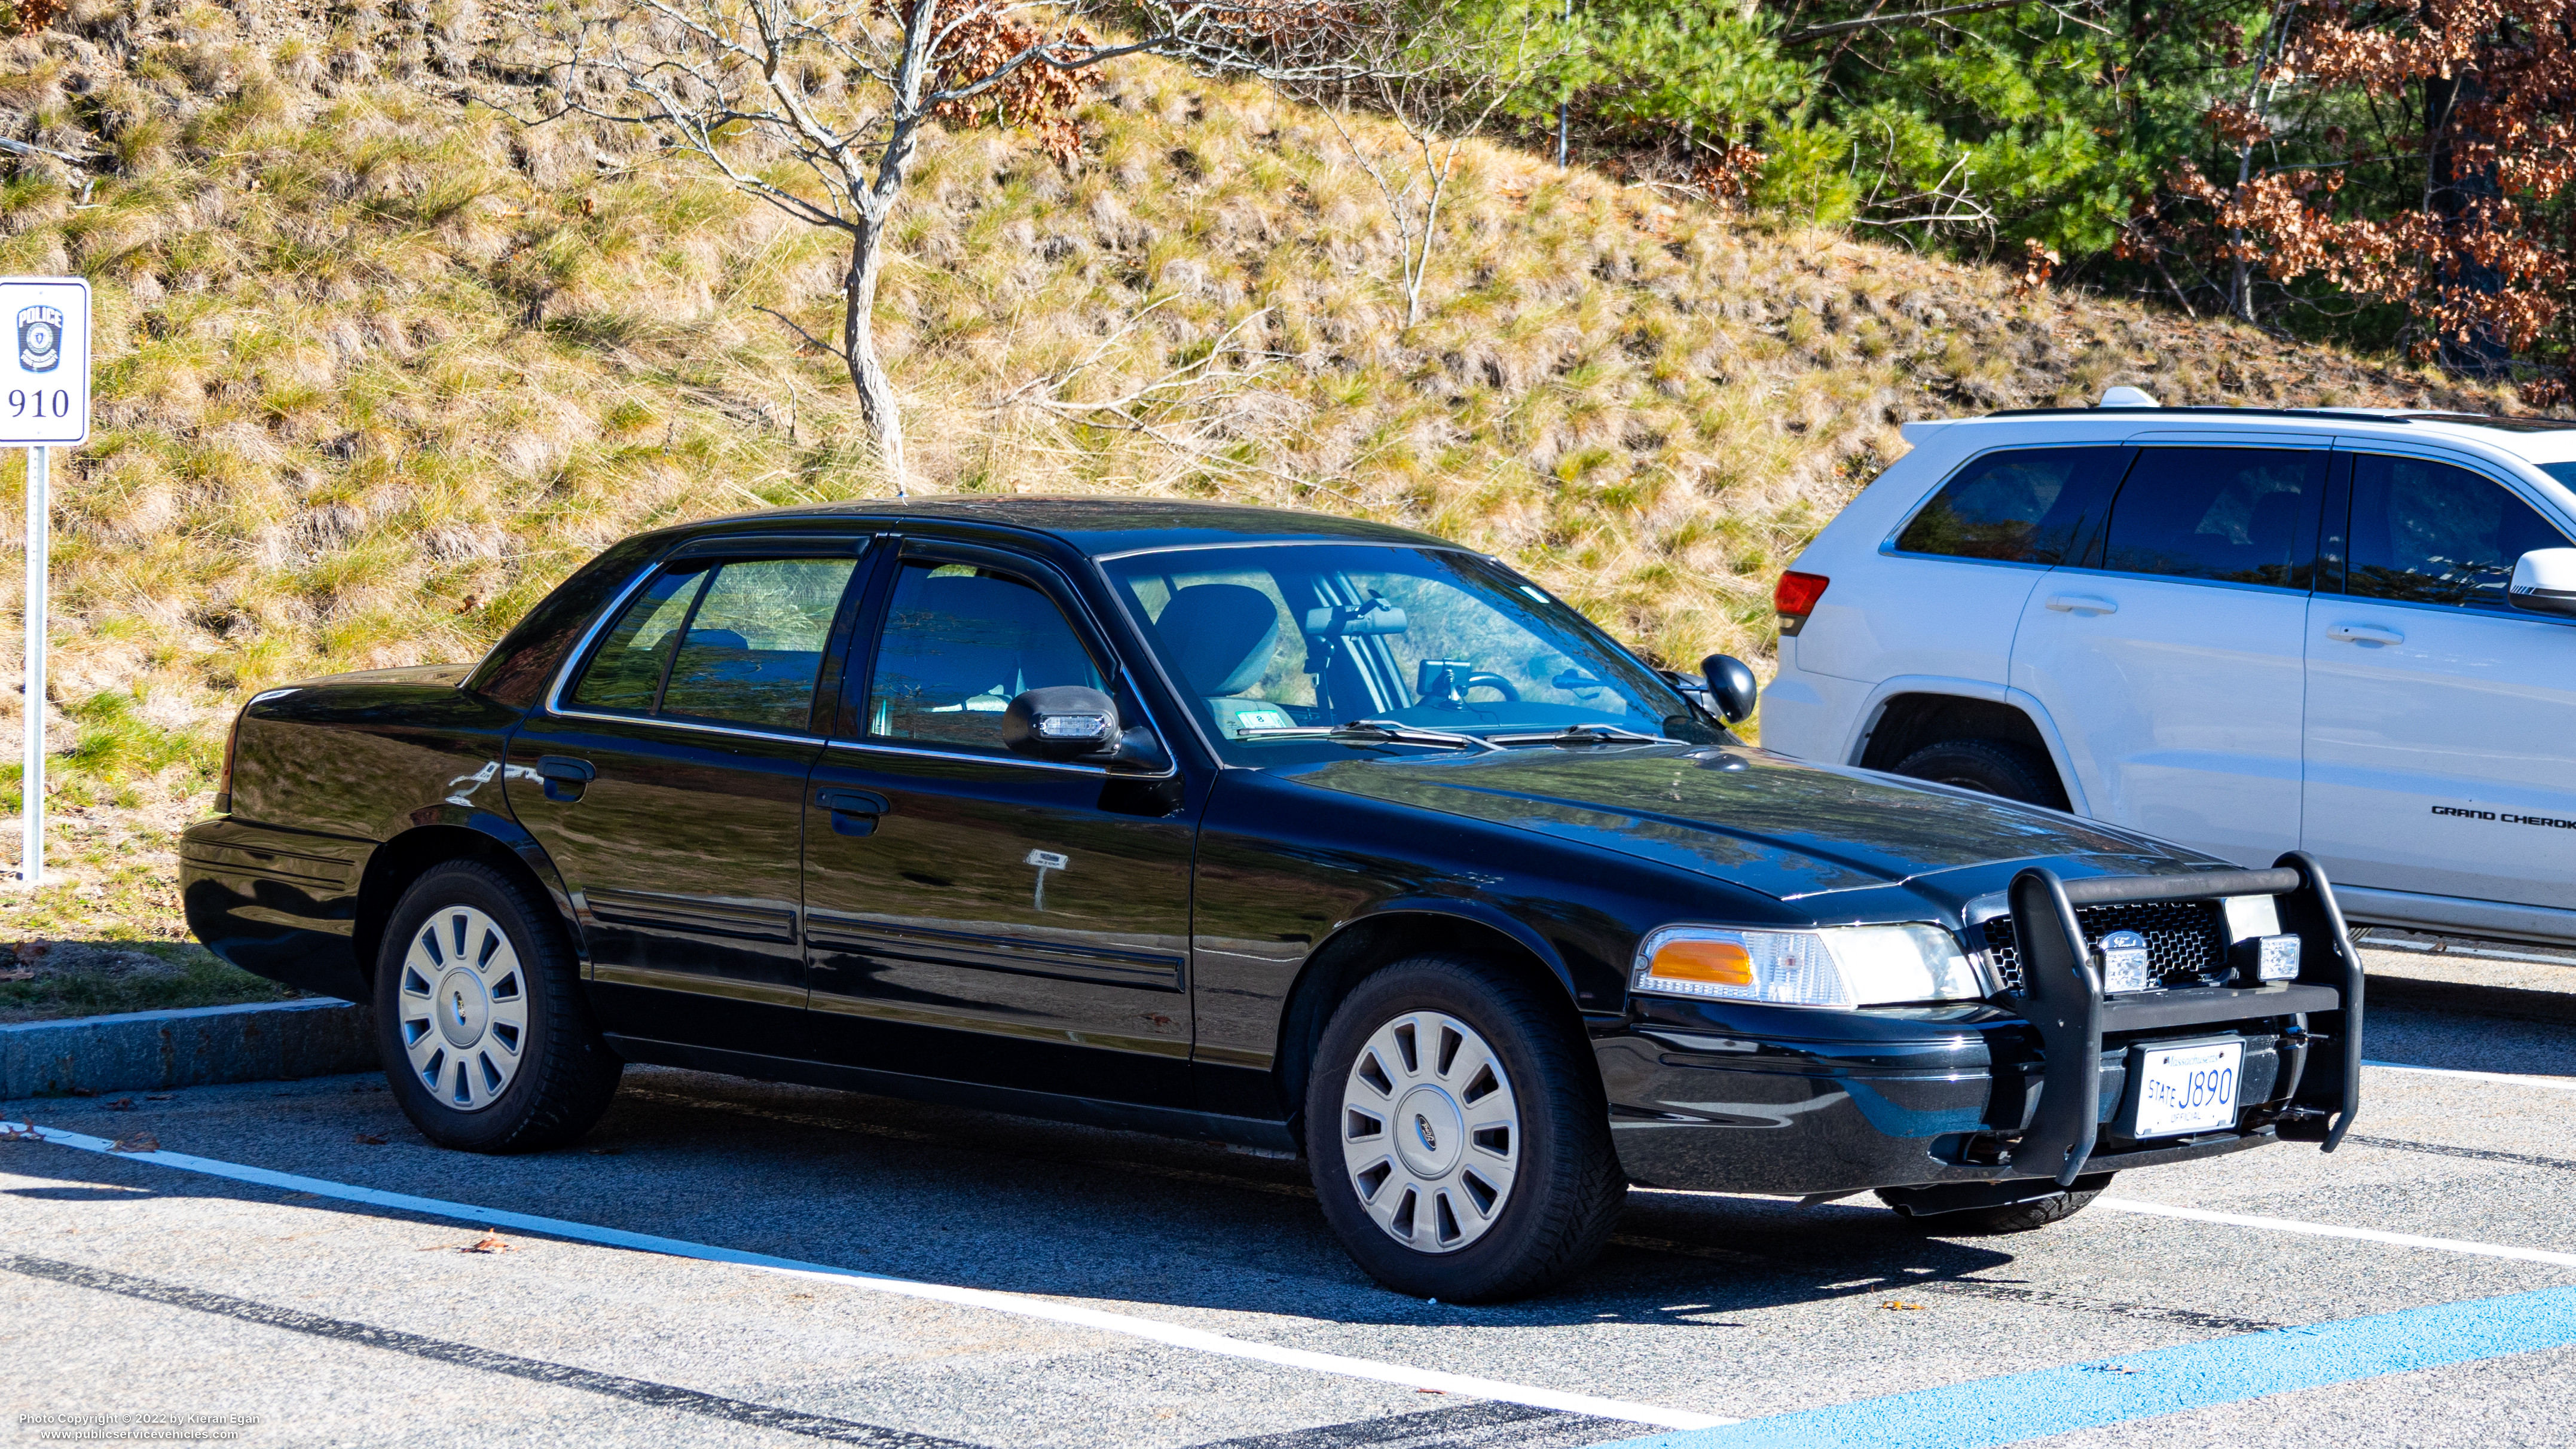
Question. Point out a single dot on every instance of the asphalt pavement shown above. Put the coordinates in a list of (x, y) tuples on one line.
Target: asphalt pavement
[(292, 1264)]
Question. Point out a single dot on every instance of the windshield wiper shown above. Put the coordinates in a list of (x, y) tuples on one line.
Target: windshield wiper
[(1573, 735), (1371, 732)]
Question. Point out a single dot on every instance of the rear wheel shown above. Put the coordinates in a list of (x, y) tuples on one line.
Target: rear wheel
[(487, 1041), (1458, 1145), (1995, 767)]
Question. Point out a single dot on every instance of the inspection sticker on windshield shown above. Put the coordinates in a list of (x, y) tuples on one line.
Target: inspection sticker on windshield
[(2189, 1089)]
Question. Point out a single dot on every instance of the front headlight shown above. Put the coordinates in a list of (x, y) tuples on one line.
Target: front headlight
[(1836, 966)]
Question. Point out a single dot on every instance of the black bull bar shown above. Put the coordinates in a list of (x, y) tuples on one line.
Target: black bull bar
[(2062, 997)]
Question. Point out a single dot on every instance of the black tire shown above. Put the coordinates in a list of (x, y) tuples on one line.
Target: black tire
[(1995, 767), (1566, 1189), (2020, 1217), (563, 1073)]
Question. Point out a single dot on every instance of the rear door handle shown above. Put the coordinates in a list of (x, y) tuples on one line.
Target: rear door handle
[(854, 812), (2082, 604), (2364, 634), (565, 777)]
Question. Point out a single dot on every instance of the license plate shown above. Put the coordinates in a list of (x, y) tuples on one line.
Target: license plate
[(2189, 1089)]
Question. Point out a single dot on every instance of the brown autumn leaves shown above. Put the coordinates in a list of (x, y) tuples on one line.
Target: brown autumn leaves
[(2482, 265)]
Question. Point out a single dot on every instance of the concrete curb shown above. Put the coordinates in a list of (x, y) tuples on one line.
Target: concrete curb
[(153, 1050)]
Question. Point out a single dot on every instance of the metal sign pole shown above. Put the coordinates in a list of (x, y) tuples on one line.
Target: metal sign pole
[(31, 778), (44, 405)]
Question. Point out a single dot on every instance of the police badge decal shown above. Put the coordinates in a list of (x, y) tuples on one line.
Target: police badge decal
[(40, 339)]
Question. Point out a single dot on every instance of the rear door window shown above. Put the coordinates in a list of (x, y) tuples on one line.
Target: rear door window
[(2023, 505), (2230, 515), (737, 643), (2429, 533)]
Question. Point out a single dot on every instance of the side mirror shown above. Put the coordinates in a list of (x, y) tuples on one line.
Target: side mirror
[(2544, 582), (1731, 687), (1061, 722)]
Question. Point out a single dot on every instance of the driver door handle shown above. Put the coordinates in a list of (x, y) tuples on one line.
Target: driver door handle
[(2364, 634), (2082, 604)]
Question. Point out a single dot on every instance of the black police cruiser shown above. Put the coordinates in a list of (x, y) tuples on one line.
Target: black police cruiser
[(1258, 827)]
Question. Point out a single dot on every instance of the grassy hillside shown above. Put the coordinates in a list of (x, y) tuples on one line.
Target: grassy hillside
[(377, 368)]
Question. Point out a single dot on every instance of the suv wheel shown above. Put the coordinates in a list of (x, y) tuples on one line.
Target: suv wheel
[(487, 1041), (1996, 767), (1458, 1141)]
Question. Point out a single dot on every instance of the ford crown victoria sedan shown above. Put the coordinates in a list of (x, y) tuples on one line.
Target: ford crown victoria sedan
[(1257, 827)]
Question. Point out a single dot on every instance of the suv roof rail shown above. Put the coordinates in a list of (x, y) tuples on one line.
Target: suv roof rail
[(2329, 414), (2341, 415)]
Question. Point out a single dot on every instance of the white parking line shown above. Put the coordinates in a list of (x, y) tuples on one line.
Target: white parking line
[(2555, 1084), (1133, 1325), (2328, 1230)]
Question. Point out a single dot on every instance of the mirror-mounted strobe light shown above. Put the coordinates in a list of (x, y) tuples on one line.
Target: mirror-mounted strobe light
[(1072, 726), (2124, 962)]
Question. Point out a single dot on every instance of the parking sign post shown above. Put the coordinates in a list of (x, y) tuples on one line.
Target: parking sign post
[(44, 405)]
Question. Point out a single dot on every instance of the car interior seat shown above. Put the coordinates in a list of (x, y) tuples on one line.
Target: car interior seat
[(1220, 638)]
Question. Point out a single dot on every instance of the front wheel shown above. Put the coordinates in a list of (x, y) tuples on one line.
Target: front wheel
[(487, 1040), (1458, 1141)]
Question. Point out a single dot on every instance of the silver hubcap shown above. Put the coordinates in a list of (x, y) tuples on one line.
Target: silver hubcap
[(1431, 1133), (463, 1008)]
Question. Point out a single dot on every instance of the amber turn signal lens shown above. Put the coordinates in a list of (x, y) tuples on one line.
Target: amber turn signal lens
[(1719, 963)]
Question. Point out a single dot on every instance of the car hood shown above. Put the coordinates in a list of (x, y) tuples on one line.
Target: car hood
[(1786, 828)]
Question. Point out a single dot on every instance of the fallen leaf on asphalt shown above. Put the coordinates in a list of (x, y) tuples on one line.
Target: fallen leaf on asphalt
[(1431, 1391), (121, 1104), (372, 1139), (19, 1134), (139, 1142), (490, 1242), (1902, 1307)]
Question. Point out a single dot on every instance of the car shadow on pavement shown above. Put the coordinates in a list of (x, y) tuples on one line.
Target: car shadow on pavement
[(980, 1200)]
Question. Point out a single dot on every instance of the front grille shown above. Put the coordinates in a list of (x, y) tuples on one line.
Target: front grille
[(2186, 940)]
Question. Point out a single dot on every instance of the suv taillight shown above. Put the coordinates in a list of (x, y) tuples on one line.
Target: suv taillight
[(1795, 598)]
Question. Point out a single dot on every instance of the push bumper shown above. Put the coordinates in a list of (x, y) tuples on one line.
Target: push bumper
[(1744, 1097)]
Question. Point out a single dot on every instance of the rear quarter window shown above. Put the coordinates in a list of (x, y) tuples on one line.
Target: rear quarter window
[(2020, 505)]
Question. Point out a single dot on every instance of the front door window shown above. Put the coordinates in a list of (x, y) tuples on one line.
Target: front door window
[(961, 642)]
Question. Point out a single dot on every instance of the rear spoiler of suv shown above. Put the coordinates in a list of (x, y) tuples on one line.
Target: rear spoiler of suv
[(2062, 996)]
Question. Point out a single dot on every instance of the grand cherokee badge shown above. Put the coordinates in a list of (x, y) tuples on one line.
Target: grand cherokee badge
[(40, 339)]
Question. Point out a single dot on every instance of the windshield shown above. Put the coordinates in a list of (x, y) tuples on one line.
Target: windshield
[(1273, 643)]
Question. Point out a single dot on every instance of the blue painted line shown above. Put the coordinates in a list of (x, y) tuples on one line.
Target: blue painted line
[(1983, 1413)]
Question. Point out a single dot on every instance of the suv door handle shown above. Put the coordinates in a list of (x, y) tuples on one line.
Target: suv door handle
[(854, 812), (565, 777), (2364, 634), (2082, 604)]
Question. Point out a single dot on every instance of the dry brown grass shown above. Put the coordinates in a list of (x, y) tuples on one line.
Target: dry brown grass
[(375, 369)]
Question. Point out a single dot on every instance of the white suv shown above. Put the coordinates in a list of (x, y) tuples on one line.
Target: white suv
[(2251, 631)]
